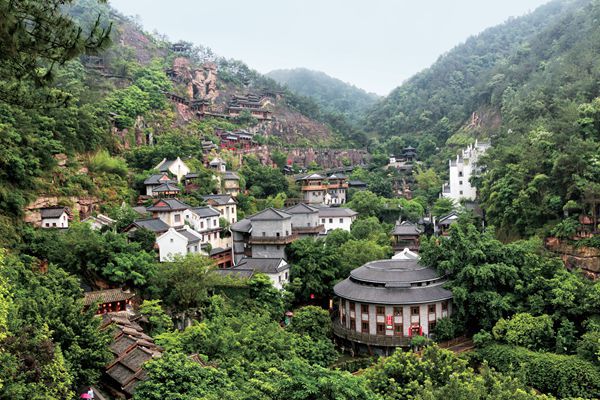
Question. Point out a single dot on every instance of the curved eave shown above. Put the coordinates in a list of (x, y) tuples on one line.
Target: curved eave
[(393, 296)]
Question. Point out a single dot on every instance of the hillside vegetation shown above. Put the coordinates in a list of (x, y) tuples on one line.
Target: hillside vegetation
[(331, 94)]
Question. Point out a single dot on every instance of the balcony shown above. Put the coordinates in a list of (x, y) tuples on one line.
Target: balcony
[(273, 239), (307, 230), (374, 340), (310, 188)]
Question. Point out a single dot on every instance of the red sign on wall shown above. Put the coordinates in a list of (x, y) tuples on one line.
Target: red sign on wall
[(389, 321)]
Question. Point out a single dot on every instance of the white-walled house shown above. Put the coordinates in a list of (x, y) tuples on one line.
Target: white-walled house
[(460, 172), (178, 242), (205, 221), (55, 217), (277, 269), (336, 218), (225, 204), (176, 167), (172, 211)]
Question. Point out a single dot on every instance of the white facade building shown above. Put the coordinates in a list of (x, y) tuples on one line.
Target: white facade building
[(55, 217), (225, 204), (277, 269), (172, 211), (176, 167), (336, 218), (178, 242), (460, 172)]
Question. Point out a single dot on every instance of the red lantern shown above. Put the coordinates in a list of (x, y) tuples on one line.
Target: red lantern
[(388, 321), (312, 296)]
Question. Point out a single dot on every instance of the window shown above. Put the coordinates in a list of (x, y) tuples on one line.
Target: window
[(381, 329), (414, 310), (322, 220), (352, 324), (47, 224), (352, 306), (380, 310), (364, 327), (286, 275), (398, 330), (432, 308), (201, 224), (364, 308), (279, 278), (460, 192), (460, 182), (398, 311), (172, 240), (177, 217), (431, 326), (215, 235), (331, 220), (264, 233), (341, 220), (460, 173), (277, 234), (214, 222), (287, 233), (444, 305)]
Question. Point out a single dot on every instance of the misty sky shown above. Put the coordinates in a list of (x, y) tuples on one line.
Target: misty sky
[(375, 44)]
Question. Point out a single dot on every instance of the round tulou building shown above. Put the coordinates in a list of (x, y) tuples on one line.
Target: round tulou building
[(386, 302)]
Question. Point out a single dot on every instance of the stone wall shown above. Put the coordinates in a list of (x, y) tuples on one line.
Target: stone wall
[(84, 206), (585, 258)]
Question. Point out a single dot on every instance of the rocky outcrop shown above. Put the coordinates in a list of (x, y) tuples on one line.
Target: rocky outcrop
[(325, 158), (83, 205), (201, 83), (585, 258)]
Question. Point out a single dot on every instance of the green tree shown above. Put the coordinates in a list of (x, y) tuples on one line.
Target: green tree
[(523, 329), (366, 204), (442, 206), (158, 320)]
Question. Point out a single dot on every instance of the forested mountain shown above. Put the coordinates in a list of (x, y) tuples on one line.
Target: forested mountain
[(529, 86), (329, 93), (473, 76)]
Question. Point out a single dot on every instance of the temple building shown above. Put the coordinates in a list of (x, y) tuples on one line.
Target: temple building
[(384, 303), (406, 236)]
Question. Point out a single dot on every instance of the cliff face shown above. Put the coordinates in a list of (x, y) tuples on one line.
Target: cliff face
[(585, 258)]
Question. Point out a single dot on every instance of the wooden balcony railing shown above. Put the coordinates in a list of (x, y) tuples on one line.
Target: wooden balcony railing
[(273, 239), (375, 340)]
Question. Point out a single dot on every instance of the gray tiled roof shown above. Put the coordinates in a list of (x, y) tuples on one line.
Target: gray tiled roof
[(188, 235), (166, 187), (336, 212), (53, 212), (301, 208), (243, 225), (220, 199), (206, 211), (156, 179), (168, 205), (156, 225), (230, 175), (386, 271), (406, 228), (269, 214), (393, 282), (264, 265), (165, 166)]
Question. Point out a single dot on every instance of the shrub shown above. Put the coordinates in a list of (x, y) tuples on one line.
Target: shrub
[(104, 162), (444, 329), (557, 374)]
